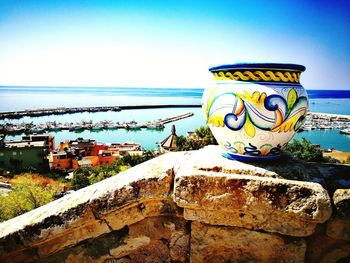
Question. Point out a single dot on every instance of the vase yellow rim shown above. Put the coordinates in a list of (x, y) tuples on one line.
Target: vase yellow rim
[(259, 66)]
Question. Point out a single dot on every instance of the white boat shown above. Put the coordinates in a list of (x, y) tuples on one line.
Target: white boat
[(306, 128), (345, 131), (37, 130), (155, 126), (133, 126), (97, 127)]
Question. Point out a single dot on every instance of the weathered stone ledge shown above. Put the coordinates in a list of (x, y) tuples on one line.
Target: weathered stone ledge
[(215, 191), (192, 206)]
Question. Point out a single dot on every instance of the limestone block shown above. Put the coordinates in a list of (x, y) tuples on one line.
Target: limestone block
[(154, 239), (179, 245), (322, 248), (341, 200), (140, 210), (91, 250), (24, 255), (81, 257), (71, 236), (129, 246), (208, 194), (337, 255), (57, 232), (152, 179), (171, 231), (233, 244), (339, 228), (156, 251)]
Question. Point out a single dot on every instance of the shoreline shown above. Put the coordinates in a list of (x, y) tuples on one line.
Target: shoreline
[(338, 155)]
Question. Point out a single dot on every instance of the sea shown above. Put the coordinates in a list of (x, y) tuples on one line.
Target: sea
[(20, 98)]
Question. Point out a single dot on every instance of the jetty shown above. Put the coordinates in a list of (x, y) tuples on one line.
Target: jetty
[(176, 118), (62, 110), (30, 128)]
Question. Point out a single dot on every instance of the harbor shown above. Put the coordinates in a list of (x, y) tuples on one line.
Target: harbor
[(314, 120), (30, 128), (325, 121)]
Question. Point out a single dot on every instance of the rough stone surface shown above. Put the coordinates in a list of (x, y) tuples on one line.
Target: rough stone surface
[(155, 239), (208, 194), (322, 248), (139, 211), (339, 226), (341, 200), (192, 206), (233, 244)]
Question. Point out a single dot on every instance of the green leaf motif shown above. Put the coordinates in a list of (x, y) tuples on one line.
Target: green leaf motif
[(291, 99)]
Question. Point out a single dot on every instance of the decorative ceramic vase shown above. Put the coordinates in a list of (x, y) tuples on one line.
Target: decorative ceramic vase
[(254, 110)]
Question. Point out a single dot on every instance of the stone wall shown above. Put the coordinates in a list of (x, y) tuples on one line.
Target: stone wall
[(193, 207)]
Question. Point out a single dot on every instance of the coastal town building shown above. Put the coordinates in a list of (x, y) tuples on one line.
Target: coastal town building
[(86, 161), (127, 147), (60, 160), (97, 148), (107, 156), (73, 154), (36, 152), (169, 143), (30, 153), (87, 145), (48, 138)]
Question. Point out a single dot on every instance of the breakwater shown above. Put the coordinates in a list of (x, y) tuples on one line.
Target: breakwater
[(72, 110)]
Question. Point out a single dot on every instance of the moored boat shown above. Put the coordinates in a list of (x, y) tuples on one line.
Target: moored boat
[(345, 131)]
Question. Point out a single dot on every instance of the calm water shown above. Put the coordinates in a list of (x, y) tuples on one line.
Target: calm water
[(19, 98)]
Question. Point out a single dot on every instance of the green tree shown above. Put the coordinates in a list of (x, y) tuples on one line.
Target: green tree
[(81, 178), (305, 150), (132, 160), (100, 173), (187, 144), (205, 137), (26, 195)]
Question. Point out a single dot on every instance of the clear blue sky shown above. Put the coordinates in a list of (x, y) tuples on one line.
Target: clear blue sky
[(169, 43)]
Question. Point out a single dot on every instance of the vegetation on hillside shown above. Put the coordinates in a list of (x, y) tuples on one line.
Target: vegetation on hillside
[(29, 191)]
